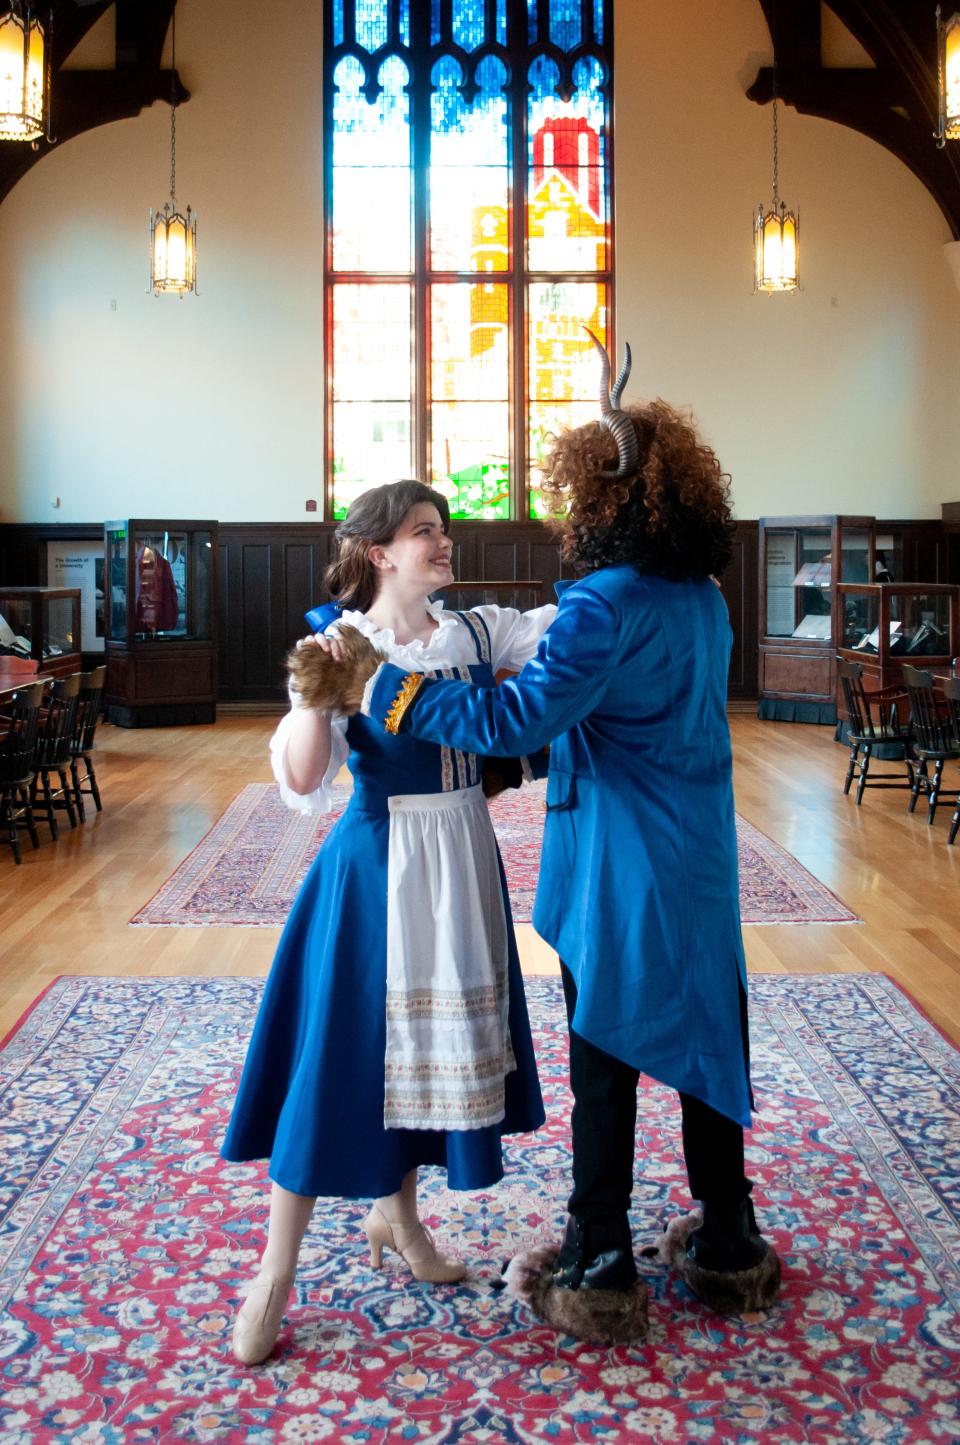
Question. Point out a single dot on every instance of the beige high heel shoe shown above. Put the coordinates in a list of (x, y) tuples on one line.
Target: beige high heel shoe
[(259, 1317), (415, 1247)]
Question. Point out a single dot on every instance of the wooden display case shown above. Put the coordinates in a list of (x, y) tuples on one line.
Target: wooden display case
[(161, 622), (42, 623), (802, 559), (884, 625)]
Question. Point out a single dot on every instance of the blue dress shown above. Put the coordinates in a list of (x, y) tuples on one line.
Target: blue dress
[(638, 887), (311, 1095)]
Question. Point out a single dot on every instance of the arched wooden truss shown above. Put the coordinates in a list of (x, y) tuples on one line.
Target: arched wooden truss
[(83, 99), (894, 104)]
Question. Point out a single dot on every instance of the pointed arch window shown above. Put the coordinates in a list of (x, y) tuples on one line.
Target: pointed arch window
[(468, 240)]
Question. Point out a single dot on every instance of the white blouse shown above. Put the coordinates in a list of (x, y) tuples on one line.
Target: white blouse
[(514, 638)]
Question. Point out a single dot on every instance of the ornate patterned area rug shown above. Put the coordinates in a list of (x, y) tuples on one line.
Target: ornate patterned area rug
[(125, 1241), (248, 868)]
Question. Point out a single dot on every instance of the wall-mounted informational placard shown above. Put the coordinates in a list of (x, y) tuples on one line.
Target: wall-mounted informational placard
[(80, 564)]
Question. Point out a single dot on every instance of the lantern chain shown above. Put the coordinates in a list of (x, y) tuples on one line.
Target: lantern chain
[(173, 110)]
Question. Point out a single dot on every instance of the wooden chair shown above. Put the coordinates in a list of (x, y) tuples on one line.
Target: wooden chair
[(81, 744), (936, 737), (18, 748), (863, 731), (54, 737), (951, 697)]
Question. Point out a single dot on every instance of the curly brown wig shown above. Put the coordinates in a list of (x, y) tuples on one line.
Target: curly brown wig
[(672, 517)]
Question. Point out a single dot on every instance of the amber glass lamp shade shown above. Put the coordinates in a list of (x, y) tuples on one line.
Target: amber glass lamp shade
[(173, 251), (948, 67), (23, 99), (776, 236)]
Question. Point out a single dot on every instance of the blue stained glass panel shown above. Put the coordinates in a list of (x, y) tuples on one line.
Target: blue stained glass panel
[(469, 23), (469, 171), (337, 21), (371, 23), (371, 171), (565, 23)]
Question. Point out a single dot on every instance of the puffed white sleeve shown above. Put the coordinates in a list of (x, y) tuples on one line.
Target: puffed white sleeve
[(515, 636), (321, 800)]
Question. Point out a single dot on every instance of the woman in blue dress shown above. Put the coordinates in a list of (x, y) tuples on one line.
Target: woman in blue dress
[(393, 1030)]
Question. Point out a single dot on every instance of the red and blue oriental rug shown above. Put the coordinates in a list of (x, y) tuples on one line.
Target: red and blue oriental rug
[(125, 1241), (248, 868)]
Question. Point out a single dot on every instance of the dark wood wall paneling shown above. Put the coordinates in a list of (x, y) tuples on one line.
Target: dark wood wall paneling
[(271, 573)]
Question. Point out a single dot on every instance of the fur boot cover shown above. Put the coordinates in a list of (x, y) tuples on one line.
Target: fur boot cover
[(742, 1292), (598, 1316), (334, 686)]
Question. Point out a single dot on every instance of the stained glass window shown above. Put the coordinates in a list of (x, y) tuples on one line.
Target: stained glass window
[(468, 241)]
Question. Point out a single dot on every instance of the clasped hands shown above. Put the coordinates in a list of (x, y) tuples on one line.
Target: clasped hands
[(330, 671)]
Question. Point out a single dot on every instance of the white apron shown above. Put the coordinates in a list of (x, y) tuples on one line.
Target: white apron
[(448, 1037)]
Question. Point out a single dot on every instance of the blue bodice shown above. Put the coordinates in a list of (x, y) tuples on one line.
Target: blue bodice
[(384, 765)]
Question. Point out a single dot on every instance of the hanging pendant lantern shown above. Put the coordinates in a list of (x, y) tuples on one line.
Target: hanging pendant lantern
[(776, 232), (948, 79), (24, 77), (173, 234)]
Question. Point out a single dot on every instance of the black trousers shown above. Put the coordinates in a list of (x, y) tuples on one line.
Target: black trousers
[(604, 1126)]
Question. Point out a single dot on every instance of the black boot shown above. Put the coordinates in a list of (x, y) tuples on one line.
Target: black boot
[(728, 1239), (722, 1256), (596, 1254), (589, 1289)]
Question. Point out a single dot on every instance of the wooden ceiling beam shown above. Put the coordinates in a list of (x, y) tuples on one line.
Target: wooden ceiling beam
[(85, 99), (893, 104)]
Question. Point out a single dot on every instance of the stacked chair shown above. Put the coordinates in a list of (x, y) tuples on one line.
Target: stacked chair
[(925, 744), (46, 755), (936, 737), (81, 745), (18, 753), (872, 720)]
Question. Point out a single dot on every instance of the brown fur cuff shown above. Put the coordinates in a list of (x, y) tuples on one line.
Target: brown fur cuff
[(742, 1292), (598, 1316), (334, 686)]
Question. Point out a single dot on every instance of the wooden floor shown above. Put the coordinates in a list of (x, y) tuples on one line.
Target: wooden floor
[(66, 910)]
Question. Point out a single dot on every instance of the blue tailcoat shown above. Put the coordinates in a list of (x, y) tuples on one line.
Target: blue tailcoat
[(638, 888)]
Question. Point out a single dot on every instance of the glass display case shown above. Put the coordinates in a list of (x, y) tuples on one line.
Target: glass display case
[(884, 625), (159, 580), (160, 621), (42, 623), (802, 561)]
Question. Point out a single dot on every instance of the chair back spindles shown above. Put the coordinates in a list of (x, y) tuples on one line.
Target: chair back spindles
[(19, 746), (18, 750), (81, 747), (951, 701), (88, 709), (56, 733), (931, 730), (866, 730), (855, 699)]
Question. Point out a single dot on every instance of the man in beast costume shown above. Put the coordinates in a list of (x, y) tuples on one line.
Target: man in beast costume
[(638, 884)]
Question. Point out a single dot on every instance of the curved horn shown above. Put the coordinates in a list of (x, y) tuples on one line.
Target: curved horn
[(616, 422), (606, 404), (623, 377), (624, 434)]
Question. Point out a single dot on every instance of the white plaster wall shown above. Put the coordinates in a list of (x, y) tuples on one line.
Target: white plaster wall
[(841, 398)]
